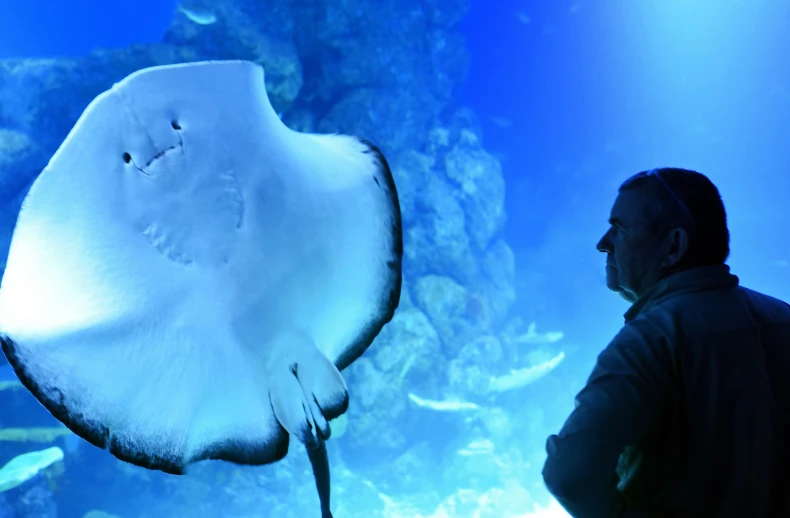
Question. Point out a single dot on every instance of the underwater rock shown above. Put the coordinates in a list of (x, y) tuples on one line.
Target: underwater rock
[(354, 43), (453, 210), (244, 33), (481, 188), (435, 239), (457, 314), (498, 267), (37, 502), (413, 467), (406, 348), (471, 370), (15, 147), (19, 154), (373, 411), (447, 13), (396, 119)]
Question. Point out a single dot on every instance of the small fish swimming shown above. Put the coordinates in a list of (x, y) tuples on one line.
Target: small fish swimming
[(477, 447), (448, 405), (197, 13), (23, 467), (535, 338), (518, 378)]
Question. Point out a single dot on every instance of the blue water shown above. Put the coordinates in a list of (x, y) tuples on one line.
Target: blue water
[(49, 28), (572, 97), (599, 91)]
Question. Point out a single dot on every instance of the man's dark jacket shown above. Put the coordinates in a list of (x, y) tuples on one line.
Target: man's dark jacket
[(686, 413)]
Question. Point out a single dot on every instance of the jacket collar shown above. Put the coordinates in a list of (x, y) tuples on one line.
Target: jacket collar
[(695, 279)]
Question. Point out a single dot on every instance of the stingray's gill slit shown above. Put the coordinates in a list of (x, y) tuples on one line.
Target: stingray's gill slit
[(127, 158), (177, 127)]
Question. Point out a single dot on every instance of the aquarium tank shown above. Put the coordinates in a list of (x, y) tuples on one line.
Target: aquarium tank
[(260, 252)]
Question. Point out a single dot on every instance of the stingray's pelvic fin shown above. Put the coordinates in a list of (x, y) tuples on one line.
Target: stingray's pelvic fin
[(306, 389)]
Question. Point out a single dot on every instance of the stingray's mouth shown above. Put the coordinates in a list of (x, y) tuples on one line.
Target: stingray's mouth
[(127, 157), (162, 154)]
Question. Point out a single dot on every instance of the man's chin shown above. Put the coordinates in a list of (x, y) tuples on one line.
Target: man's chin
[(613, 283), (613, 279)]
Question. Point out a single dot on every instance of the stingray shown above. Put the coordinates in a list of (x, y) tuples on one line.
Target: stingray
[(188, 276)]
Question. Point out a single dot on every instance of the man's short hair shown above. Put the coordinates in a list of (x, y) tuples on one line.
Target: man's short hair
[(682, 198)]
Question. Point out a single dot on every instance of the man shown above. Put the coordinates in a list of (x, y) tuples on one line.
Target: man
[(687, 410)]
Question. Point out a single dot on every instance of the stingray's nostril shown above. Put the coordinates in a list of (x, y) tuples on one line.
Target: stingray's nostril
[(127, 157), (176, 125)]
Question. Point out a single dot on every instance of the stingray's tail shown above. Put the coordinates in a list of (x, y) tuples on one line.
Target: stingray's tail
[(320, 463)]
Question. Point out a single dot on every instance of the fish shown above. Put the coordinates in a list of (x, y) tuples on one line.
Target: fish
[(23, 467), (534, 338), (197, 13), (447, 405), (518, 378), (188, 276), (477, 447)]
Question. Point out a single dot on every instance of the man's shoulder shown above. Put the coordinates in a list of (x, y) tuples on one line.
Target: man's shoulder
[(736, 296), (758, 295), (768, 305), (713, 311)]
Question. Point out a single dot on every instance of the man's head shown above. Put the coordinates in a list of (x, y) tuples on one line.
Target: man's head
[(662, 222)]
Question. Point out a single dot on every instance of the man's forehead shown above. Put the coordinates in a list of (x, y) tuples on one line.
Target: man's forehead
[(627, 207)]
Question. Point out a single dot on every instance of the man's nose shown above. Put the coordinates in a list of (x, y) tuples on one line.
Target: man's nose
[(604, 245)]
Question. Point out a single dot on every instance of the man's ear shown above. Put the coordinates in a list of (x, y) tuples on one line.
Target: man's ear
[(676, 247)]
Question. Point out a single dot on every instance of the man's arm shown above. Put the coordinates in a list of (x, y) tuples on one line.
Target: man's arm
[(622, 400)]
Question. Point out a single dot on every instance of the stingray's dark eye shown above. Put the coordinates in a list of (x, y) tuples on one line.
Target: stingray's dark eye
[(127, 157), (176, 126)]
